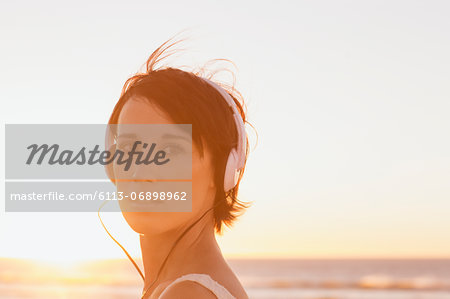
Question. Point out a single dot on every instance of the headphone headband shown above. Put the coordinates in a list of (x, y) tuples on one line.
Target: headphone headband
[(236, 158), (241, 147)]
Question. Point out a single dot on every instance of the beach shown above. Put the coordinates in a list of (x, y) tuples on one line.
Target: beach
[(262, 278)]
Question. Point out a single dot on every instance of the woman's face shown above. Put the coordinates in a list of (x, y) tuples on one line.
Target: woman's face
[(140, 111)]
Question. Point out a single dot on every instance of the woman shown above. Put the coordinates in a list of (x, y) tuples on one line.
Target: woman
[(180, 253)]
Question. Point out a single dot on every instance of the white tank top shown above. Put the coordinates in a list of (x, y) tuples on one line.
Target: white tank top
[(205, 280)]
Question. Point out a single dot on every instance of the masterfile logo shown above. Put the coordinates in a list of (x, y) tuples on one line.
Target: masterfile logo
[(65, 167)]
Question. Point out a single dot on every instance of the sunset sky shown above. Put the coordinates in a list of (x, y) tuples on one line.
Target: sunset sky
[(350, 100)]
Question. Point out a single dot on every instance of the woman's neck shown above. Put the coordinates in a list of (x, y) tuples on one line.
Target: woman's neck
[(194, 250)]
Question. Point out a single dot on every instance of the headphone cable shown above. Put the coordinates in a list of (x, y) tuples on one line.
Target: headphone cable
[(117, 242)]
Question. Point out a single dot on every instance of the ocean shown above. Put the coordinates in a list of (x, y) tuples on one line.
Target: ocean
[(262, 278)]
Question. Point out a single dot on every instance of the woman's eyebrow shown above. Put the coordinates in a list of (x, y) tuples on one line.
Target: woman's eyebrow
[(127, 135), (165, 136), (173, 136)]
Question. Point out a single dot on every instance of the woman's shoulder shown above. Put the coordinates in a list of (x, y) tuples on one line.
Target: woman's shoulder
[(187, 289), (195, 285)]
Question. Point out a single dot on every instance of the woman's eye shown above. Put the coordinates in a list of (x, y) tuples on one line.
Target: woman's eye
[(125, 146), (172, 150)]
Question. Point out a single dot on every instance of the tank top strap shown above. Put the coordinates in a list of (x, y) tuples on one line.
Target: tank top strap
[(205, 280)]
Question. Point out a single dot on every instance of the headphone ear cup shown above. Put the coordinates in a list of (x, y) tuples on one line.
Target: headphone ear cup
[(109, 167), (231, 172)]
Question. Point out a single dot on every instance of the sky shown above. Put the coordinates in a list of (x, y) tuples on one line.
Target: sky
[(350, 100)]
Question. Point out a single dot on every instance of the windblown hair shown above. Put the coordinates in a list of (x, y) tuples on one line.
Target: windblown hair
[(188, 99)]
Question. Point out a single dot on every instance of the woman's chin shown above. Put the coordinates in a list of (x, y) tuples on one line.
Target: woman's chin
[(148, 223), (140, 222)]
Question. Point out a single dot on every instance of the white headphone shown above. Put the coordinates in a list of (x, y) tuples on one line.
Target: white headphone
[(236, 158)]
